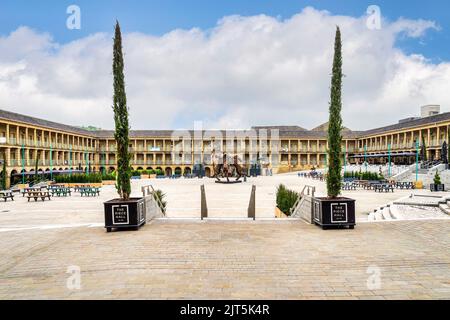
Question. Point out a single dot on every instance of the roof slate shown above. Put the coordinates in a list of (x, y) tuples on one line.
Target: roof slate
[(285, 132)]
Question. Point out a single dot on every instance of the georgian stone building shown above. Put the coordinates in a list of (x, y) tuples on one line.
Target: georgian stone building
[(58, 147)]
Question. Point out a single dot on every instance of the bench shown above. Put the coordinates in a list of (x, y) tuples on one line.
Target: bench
[(5, 195), (38, 195), (90, 192), (385, 187), (61, 192), (349, 186), (405, 185), (27, 190)]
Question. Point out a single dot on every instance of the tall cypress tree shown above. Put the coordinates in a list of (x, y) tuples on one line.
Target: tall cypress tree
[(121, 135), (334, 183)]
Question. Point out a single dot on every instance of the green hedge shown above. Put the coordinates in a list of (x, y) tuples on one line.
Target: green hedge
[(286, 199), (135, 173), (138, 173), (79, 178), (363, 175), (109, 176)]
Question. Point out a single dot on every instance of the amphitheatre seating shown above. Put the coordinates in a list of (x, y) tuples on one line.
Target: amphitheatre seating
[(7, 194)]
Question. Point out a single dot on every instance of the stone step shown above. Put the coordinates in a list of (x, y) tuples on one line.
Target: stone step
[(379, 216), (395, 213), (386, 213), (445, 208)]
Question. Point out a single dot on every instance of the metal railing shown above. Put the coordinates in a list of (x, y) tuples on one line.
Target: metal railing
[(150, 191), (251, 211), (204, 206)]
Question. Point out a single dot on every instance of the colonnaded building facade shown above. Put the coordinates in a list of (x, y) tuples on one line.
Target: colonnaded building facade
[(58, 147)]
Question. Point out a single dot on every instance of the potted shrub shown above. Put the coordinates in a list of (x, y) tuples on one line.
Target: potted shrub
[(334, 210), (286, 200), (124, 212), (437, 185), (145, 174), (152, 174)]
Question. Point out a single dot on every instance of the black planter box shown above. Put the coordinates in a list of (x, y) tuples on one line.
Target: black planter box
[(121, 214), (437, 187), (339, 212)]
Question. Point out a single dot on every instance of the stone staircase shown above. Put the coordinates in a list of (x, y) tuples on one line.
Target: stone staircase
[(444, 205), (391, 212), (384, 214)]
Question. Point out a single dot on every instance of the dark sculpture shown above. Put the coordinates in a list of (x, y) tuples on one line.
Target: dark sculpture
[(226, 168), (444, 153)]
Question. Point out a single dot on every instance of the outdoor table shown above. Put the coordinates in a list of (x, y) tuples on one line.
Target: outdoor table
[(89, 191), (383, 187), (5, 195), (61, 192), (349, 186), (38, 194), (27, 190)]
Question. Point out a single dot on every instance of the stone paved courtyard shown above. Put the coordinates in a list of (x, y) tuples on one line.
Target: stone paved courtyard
[(189, 259), (224, 260)]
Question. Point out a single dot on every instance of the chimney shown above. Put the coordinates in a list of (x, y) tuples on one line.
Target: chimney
[(430, 110)]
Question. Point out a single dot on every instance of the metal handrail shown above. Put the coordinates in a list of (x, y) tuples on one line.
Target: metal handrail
[(310, 191), (146, 191)]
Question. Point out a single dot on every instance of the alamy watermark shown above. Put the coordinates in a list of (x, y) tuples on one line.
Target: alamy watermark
[(73, 22), (211, 147), (373, 21), (374, 279), (74, 280)]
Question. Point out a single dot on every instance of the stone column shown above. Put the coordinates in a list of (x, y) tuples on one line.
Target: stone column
[(7, 159), (7, 133)]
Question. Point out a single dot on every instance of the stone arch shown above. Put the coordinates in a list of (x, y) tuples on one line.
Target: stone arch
[(168, 171), (208, 172), (149, 168), (187, 170), (140, 169), (112, 169), (178, 171)]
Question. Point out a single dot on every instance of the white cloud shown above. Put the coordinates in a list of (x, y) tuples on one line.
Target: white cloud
[(245, 71)]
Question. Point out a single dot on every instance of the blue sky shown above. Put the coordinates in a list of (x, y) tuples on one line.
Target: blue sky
[(157, 17)]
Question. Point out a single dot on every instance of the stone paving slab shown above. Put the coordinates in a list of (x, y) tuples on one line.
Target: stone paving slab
[(220, 260)]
